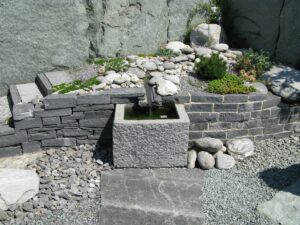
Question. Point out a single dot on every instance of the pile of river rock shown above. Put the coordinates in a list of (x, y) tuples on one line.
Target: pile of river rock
[(164, 73), (211, 152)]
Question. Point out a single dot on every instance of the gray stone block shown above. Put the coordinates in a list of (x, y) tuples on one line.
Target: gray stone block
[(246, 107), (220, 126), (98, 114), (84, 108), (10, 151), (124, 100), (13, 139), (127, 92), (203, 117), (42, 135), (51, 121), (225, 107), (14, 95), (264, 114), (28, 124), (60, 101), (157, 143), (256, 131), (198, 126), (204, 97), (166, 196), (183, 97), (99, 99), (270, 122), (72, 118), (271, 101), (44, 84), (6, 130), (234, 117), (52, 113), (278, 112), (215, 134), (257, 106), (74, 132), (237, 133), (23, 111), (200, 107), (235, 98), (193, 135), (87, 142), (28, 92), (30, 147), (59, 142), (247, 124), (274, 129), (93, 123), (257, 96)]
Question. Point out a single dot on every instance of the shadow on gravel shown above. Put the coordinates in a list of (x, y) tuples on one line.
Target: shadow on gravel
[(280, 178)]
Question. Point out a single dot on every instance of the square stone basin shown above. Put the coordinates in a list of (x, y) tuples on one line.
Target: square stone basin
[(150, 142)]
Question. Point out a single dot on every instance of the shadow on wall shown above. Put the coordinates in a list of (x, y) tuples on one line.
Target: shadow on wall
[(280, 178)]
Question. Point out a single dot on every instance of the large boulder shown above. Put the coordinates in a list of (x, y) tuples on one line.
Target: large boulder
[(240, 149), (39, 36), (284, 81), (207, 35), (17, 186)]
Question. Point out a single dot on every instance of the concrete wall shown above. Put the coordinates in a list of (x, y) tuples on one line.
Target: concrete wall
[(271, 25), (41, 36)]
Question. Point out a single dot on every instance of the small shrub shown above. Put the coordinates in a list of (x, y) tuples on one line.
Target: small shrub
[(168, 53), (115, 64), (229, 84), (211, 68), (75, 85), (251, 65)]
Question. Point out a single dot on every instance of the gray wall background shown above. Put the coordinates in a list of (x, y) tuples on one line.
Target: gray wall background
[(45, 35)]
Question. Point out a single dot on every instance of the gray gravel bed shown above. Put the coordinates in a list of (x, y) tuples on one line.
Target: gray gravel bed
[(230, 197), (192, 83)]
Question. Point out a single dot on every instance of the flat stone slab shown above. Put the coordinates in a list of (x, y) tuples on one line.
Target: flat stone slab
[(285, 206), (5, 112), (28, 92), (154, 195), (284, 81), (58, 77)]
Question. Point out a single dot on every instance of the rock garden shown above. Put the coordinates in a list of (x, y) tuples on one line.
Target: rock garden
[(218, 137)]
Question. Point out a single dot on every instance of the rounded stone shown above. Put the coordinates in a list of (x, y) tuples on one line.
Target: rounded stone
[(149, 66), (166, 88), (220, 47), (173, 78), (176, 46), (224, 161), (211, 145), (169, 65), (206, 161), (240, 149), (191, 159)]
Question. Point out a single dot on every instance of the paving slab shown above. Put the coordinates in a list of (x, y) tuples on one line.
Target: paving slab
[(28, 92), (162, 195), (58, 77), (5, 112), (284, 208)]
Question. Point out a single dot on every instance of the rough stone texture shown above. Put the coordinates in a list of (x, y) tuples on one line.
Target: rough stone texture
[(212, 145), (5, 112), (156, 196), (284, 82), (224, 161), (284, 208), (13, 139), (51, 34), (268, 25), (152, 143), (58, 77), (240, 148), (28, 92), (206, 160), (17, 186)]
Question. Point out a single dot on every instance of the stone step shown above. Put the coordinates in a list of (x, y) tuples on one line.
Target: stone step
[(46, 81), (157, 196), (24, 93)]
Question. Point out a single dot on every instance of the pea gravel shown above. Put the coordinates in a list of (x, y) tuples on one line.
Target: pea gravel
[(230, 197)]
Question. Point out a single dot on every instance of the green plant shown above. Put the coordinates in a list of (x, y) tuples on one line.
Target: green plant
[(115, 64), (75, 85), (168, 53), (229, 84), (251, 65), (211, 67)]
